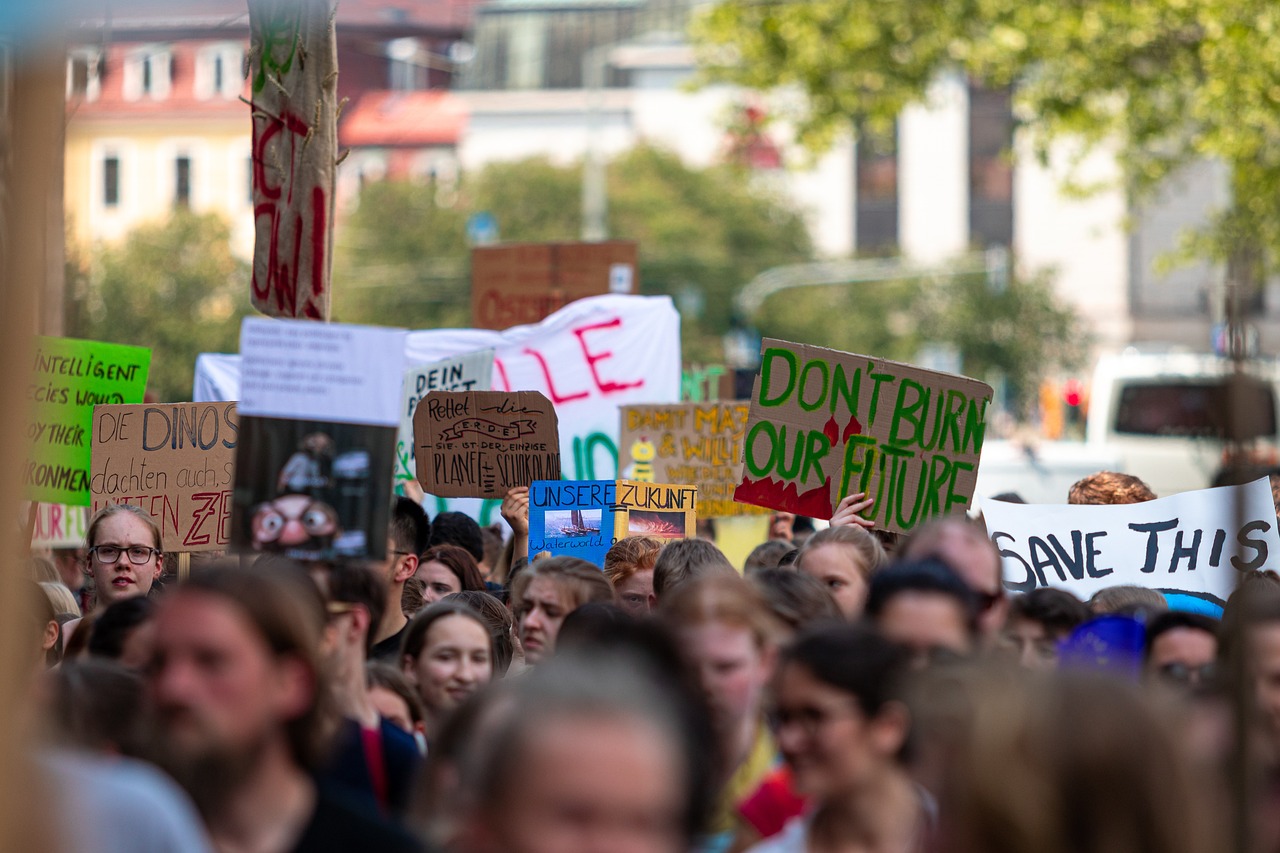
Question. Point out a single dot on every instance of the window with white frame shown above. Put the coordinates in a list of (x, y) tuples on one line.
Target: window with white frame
[(219, 71), (84, 73), (148, 73), (111, 180)]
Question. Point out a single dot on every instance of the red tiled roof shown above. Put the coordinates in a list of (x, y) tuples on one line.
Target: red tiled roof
[(402, 119)]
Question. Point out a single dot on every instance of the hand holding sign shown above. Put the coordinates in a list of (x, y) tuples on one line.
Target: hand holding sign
[(849, 510)]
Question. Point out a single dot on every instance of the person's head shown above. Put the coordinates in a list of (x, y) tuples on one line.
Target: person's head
[(629, 567), (356, 596), (1138, 602), (963, 545), (843, 559), (394, 697), (1181, 649), (591, 754), (124, 553), (502, 625), (124, 632), (796, 599), (684, 560), (1070, 763), (63, 600), (235, 677), (1109, 488), (926, 607), (491, 537), (45, 630), (446, 569), (838, 717), (448, 655), (71, 564), (412, 597), (96, 704), (767, 555), (456, 528), (41, 570), (1040, 620), (591, 625), (407, 537), (730, 638), (546, 592)]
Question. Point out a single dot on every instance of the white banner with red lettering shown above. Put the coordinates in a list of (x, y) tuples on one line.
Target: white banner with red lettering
[(588, 358)]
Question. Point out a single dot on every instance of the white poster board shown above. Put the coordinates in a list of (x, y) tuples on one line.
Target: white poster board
[(1189, 543), (470, 372)]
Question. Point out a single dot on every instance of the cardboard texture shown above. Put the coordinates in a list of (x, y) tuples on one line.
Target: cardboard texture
[(695, 443), (470, 372), (1191, 543), (480, 444), (825, 424), (584, 518), (59, 526), (68, 378), (176, 461), (523, 283), (312, 490)]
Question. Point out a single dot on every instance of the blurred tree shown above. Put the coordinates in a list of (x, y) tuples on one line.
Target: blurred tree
[(1156, 83), (172, 286)]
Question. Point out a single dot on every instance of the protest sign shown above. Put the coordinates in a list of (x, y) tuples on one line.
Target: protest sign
[(523, 283), (470, 372), (176, 461), (588, 358), (573, 518), (68, 378), (479, 444), (1190, 543), (584, 518), (316, 451), (695, 443), (825, 424), (60, 526)]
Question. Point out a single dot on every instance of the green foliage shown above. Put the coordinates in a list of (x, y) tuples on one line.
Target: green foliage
[(1156, 82), (173, 286)]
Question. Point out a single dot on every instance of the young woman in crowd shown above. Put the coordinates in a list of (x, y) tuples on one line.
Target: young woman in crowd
[(448, 655), (446, 569), (629, 567), (843, 730), (546, 592), (843, 559), (125, 557)]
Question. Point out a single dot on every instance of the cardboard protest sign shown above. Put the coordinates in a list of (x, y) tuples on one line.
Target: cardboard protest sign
[(1188, 543), (176, 461), (316, 450), (480, 444), (573, 518), (695, 443), (470, 372), (825, 424), (60, 526), (584, 518), (70, 377), (521, 283)]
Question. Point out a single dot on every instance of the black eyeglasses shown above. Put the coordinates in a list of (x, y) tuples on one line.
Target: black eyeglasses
[(108, 554), (1180, 673)]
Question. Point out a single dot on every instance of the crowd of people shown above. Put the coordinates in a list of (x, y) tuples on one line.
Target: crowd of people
[(845, 689)]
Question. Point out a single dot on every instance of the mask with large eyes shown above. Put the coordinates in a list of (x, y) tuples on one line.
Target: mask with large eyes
[(291, 521)]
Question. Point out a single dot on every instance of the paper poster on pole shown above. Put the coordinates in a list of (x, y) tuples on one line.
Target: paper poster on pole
[(521, 283), (470, 372), (695, 443), (825, 424), (176, 461), (572, 518), (59, 526), (480, 444), (1190, 543), (68, 378)]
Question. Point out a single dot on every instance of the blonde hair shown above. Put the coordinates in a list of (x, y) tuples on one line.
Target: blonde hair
[(869, 554), (1110, 487), (62, 599), (724, 598)]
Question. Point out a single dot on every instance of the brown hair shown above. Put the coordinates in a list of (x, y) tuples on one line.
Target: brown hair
[(630, 555), (1109, 487), (286, 608), (387, 677), (685, 559), (728, 599), (501, 625), (868, 552), (91, 536), (458, 560), (582, 581)]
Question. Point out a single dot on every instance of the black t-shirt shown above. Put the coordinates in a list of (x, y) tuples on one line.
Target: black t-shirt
[(340, 825), (388, 650)]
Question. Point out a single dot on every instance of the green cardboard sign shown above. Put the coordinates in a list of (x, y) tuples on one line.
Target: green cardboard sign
[(68, 378)]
